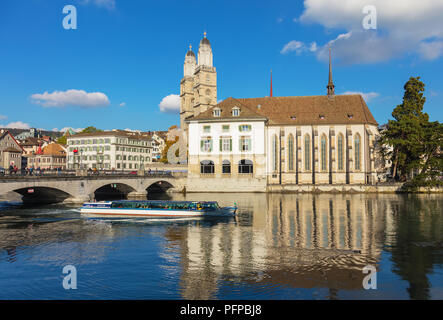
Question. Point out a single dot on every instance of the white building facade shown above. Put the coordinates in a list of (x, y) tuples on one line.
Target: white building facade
[(109, 150)]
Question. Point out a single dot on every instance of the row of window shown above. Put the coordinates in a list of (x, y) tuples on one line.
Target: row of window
[(235, 112), (95, 148), (132, 149), (225, 144), (108, 140), (132, 158), (226, 128), (46, 160), (323, 152), (243, 166)]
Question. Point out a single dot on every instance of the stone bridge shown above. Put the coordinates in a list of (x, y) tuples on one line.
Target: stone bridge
[(85, 188)]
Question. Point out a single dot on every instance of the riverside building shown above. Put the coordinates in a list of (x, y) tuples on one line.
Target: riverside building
[(109, 150), (280, 143)]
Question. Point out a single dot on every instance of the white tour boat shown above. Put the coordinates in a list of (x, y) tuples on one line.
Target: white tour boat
[(158, 208)]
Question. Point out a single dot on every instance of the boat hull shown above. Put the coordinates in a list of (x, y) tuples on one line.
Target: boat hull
[(222, 212)]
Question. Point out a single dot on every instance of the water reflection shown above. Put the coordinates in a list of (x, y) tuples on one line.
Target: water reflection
[(279, 246), (312, 241)]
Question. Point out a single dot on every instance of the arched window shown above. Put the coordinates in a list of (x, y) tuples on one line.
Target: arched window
[(226, 166), (340, 152), (274, 152), (245, 166), (357, 151), (291, 152), (307, 152), (323, 153), (206, 166)]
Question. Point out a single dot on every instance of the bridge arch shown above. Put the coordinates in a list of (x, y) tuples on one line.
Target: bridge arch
[(42, 194), (159, 186), (110, 190)]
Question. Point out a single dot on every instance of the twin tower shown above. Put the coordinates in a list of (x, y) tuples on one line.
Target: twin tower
[(198, 88)]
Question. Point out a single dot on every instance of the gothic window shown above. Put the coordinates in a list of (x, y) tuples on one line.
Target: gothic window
[(290, 153), (323, 153), (307, 153), (340, 152), (274, 152), (357, 152)]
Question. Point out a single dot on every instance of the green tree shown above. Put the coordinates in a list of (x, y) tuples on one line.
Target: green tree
[(90, 129), (416, 143), (62, 140)]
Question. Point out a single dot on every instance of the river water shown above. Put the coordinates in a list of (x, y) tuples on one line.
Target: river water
[(280, 246)]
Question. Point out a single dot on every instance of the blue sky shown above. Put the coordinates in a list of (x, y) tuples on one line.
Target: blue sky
[(131, 54)]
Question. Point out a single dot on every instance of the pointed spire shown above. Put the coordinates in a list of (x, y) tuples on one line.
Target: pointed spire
[(271, 85), (330, 86)]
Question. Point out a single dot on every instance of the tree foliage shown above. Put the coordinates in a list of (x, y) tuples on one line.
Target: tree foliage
[(62, 140), (416, 143), (90, 129)]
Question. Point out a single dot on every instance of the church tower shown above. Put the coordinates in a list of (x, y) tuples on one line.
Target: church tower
[(205, 79), (187, 88)]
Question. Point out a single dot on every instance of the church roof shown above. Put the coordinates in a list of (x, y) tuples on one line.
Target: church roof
[(304, 110), (225, 107)]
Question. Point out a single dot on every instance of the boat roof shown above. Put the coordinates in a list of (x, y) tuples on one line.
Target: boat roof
[(165, 201), (156, 201)]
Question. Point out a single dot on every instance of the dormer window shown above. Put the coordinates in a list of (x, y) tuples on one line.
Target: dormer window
[(216, 112), (235, 111), (321, 116), (293, 117), (350, 116)]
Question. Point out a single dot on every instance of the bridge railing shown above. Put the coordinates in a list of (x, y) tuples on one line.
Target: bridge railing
[(92, 173)]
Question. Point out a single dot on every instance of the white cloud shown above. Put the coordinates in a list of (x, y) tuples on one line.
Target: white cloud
[(431, 50), (279, 20), (170, 104), (16, 125), (123, 104), (366, 96), (403, 26), (2, 117), (293, 45), (108, 4), (71, 97)]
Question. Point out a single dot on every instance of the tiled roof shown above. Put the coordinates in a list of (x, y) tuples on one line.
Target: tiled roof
[(309, 110), (119, 133), (226, 107), (54, 149)]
